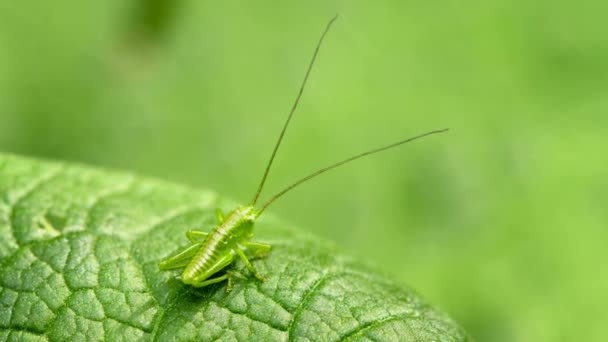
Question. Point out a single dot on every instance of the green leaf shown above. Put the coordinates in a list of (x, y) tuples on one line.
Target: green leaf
[(79, 253)]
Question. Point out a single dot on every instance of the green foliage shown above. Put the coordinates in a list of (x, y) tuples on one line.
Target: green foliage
[(80, 251), (502, 222)]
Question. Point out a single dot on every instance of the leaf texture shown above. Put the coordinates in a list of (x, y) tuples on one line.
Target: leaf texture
[(79, 253)]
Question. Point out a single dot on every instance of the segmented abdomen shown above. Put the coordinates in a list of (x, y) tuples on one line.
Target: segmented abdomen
[(215, 247)]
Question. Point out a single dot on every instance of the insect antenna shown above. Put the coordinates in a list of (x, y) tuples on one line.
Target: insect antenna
[(293, 108), (347, 160)]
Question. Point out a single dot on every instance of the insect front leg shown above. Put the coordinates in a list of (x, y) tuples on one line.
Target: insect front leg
[(248, 264), (181, 258), (196, 236), (219, 215)]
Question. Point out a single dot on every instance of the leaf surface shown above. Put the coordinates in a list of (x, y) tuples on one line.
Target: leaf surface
[(79, 251)]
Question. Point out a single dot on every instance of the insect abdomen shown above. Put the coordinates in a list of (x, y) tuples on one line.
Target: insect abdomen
[(215, 247)]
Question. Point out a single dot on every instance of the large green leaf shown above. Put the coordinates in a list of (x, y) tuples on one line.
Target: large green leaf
[(92, 272)]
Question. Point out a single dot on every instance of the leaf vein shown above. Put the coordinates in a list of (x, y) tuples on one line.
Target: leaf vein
[(305, 299), (363, 328), (269, 297), (162, 311), (31, 188), (19, 328), (117, 191), (270, 325), (173, 215)]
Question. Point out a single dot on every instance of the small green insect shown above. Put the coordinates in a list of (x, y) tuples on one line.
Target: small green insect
[(210, 253)]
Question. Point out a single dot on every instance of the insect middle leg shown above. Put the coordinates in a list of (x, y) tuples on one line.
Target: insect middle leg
[(248, 264), (196, 236), (257, 248), (181, 258)]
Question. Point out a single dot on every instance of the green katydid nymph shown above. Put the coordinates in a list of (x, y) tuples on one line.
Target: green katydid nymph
[(209, 254)]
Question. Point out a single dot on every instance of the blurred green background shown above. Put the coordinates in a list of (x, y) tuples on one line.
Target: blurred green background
[(501, 222)]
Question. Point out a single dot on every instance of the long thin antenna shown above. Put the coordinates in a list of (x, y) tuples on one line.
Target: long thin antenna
[(314, 174), (293, 108)]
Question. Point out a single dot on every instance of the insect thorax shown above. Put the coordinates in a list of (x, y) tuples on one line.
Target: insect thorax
[(239, 222)]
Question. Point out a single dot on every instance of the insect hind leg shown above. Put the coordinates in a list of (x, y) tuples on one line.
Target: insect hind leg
[(213, 281), (203, 279)]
